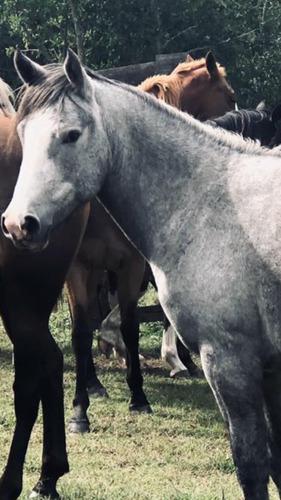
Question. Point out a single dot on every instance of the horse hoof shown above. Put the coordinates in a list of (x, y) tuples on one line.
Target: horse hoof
[(180, 374), (35, 494), (45, 489), (78, 426), (97, 391), (146, 408)]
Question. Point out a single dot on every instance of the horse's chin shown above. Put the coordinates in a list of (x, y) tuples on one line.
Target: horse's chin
[(31, 246)]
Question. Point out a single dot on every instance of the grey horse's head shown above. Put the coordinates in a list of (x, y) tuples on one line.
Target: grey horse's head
[(64, 145)]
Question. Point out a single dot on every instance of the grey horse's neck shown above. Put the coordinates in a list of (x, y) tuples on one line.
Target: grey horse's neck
[(160, 158)]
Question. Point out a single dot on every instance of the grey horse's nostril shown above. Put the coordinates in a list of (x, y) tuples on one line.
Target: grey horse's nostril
[(3, 227), (31, 225)]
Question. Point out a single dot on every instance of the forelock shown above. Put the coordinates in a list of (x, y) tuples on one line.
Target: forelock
[(47, 91)]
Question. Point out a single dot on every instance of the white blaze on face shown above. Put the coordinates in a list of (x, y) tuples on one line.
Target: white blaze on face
[(36, 134), (36, 173)]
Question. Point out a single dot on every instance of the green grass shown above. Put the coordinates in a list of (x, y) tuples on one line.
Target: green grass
[(181, 452)]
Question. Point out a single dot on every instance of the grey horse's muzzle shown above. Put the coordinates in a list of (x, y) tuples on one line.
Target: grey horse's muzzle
[(24, 231)]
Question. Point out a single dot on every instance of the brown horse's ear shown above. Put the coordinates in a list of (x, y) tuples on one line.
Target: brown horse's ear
[(189, 58), (211, 65), (157, 90), (29, 71)]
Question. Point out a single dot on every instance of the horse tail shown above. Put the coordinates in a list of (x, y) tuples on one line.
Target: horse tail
[(6, 99)]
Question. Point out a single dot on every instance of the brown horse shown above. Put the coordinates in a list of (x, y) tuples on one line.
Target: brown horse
[(105, 247), (198, 87), (29, 288)]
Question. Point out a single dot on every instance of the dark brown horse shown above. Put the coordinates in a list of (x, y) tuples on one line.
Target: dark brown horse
[(105, 247), (29, 288)]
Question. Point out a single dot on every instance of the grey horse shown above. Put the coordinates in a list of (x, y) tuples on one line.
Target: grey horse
[(202, 206)]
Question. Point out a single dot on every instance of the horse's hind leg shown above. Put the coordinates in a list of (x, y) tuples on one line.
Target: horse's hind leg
[(98, 309), (272, 385), (236, 380), (82, 296), (129, 285)]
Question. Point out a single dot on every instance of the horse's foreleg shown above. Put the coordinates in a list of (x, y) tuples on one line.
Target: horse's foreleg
[(235, 376), (129, 284), (55, 462), (27, 366), (82, 336)]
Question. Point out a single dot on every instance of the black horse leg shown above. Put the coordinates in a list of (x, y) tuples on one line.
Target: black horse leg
[(26, 400), (186, 359), (82, 293), (128, 292), (38, 375), (98, 310), (179, 354), (130, 332), (54, 462)]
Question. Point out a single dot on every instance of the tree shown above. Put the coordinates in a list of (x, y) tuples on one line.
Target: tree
[(244, 34)]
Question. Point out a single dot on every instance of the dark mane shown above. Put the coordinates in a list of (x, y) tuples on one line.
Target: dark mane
[(251, 124)]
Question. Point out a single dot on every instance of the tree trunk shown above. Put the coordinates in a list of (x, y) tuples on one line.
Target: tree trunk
[(158, 28), (77, 28)]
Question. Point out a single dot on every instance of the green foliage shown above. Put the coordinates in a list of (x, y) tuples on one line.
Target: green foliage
[(245, 35)]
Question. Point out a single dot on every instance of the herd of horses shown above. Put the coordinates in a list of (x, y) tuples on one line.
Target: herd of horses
[(164, 177)]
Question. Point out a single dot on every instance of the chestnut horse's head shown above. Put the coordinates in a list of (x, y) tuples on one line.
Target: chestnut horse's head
[(205, 92), (198, 87)]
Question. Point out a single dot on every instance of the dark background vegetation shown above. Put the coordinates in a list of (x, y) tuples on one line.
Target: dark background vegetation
[(245, 35)]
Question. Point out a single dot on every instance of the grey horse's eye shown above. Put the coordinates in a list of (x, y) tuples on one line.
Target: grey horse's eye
[(70, 136)]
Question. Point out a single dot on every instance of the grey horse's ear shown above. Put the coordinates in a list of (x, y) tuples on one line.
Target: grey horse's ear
[(29, 71), (75, 72), (211, 65)]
